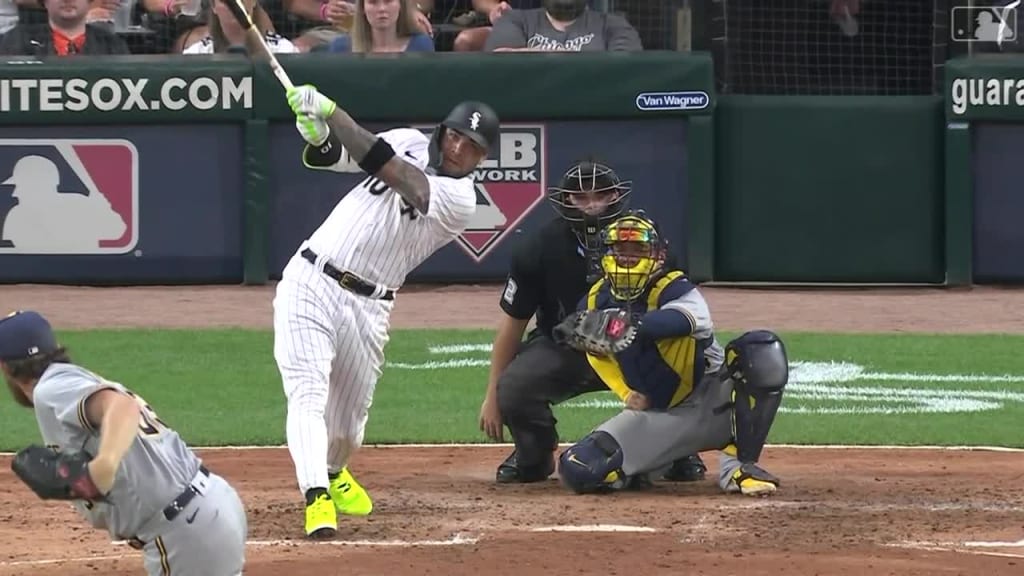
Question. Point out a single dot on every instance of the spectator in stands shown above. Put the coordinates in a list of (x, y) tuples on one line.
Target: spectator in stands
[(562, 26), (485, 15), (8, 15), (383, 26), (225, 32), (341, 15), (64, 33), (116, 15)]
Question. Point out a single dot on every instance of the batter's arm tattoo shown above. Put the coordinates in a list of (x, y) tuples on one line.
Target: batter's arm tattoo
[(409, 181)]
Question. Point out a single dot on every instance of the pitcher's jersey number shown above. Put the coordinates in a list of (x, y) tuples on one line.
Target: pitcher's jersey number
[(149, 423)]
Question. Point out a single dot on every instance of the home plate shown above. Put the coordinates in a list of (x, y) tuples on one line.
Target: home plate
[(593, 528)]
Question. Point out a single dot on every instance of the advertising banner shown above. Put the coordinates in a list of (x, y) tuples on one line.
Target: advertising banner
[(116, 203), (998, 202), (511, 188)]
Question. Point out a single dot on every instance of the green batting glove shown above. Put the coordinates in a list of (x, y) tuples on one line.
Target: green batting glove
[(305, 100), (313, 130)]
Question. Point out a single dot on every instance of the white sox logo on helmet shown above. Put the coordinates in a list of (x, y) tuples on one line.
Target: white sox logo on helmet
[(474, 121)]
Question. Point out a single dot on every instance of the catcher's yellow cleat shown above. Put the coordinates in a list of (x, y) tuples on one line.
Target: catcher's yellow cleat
[(349, 497), (752, 480), (321, 517)]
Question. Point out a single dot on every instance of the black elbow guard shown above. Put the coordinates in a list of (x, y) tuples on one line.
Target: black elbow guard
[(324, 155)]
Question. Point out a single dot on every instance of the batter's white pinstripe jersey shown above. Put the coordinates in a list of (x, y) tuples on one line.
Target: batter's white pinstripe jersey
[(375, 234)]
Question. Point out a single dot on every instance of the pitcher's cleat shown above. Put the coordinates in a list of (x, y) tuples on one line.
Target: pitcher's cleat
[(349, 497)]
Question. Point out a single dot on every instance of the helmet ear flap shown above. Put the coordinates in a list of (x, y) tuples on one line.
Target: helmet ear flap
[(434, 154)]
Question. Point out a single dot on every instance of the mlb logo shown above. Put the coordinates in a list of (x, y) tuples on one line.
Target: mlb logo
[(75, 196), (993, 23), (509, 185)]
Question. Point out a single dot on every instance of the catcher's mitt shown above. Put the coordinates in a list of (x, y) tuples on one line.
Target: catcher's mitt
[(598, 332), (55, 476)]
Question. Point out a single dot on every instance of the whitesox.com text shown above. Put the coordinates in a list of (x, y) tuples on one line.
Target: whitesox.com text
[(123, 94)]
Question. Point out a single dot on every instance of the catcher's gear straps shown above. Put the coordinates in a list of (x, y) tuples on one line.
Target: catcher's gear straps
[(677, 352), (593, 464), (759, 368)]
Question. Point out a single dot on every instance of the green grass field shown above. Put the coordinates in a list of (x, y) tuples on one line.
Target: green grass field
[(221, 387)]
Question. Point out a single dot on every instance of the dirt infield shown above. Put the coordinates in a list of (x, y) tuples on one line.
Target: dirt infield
[(839, 511)]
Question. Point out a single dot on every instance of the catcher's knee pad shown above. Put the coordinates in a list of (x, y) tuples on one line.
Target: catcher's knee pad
[(759, 369), (594, 464)]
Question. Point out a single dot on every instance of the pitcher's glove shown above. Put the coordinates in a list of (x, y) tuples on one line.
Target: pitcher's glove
[(56, 476), (597, 332)]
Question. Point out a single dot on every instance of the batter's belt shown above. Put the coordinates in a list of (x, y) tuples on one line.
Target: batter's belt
[(350, 281)]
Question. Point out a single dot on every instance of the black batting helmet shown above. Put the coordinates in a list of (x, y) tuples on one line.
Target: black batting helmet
[(475, 120)]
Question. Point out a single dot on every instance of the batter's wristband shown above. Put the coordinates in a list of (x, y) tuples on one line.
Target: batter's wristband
[(377, 156)]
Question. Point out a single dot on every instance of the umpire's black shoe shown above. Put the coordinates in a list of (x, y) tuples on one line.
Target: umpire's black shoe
[(688, 469), (510, 472)]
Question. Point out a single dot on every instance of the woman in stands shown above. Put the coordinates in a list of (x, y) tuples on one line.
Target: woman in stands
[(224, 32), (383, 26)]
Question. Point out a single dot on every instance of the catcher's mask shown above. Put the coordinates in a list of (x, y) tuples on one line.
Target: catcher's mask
[(634, 255), (590, 196)]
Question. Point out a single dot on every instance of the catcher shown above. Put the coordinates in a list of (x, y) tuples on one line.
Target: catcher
[(119, 465), (648, 334)]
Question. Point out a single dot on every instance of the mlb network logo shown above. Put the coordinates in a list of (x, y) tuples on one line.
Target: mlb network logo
[(68, 196), (992, 23), (509, 185)]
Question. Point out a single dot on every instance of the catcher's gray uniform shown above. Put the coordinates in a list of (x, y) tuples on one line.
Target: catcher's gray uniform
[(681, 377), (205, 536)]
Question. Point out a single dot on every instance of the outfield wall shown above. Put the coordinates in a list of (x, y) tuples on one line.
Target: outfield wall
[(186, 170)]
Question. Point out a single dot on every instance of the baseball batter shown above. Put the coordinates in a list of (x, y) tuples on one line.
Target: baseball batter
[(123, 468), (682, 392), (332, 306)]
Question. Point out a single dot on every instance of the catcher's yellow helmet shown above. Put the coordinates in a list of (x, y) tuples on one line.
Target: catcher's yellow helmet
[(634, 254)]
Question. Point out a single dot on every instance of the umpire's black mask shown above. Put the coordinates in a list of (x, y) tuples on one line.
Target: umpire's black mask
[(565, 10)]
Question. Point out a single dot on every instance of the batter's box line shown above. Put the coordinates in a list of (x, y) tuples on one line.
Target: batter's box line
[(975, 548), (457, 540)]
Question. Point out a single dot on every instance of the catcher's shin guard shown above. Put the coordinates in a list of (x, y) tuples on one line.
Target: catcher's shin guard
[(594, 464), (759, 369)]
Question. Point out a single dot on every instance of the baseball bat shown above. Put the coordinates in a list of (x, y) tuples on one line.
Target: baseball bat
[(257, 44)]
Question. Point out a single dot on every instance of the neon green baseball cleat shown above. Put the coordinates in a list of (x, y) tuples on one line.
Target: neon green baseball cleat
[(321, 517), (349, 497)]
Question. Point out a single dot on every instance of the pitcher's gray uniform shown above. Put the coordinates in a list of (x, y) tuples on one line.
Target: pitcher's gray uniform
[(206, 537)]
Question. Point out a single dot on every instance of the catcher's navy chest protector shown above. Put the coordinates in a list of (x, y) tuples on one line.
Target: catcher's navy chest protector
[(665, 370)]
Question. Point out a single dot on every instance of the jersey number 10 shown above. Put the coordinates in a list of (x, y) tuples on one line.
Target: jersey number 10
[(377, 187)]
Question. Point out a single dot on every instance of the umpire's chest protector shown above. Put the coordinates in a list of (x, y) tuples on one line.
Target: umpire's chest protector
[(664, 370)]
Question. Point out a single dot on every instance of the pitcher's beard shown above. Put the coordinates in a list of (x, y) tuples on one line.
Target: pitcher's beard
[(19, 396)]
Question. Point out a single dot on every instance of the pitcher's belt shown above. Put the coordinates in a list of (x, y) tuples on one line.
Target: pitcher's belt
[(195, 488), (348, 280)]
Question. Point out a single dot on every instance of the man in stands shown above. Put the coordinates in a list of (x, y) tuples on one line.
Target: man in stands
[(65, 33), (562, 26)]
